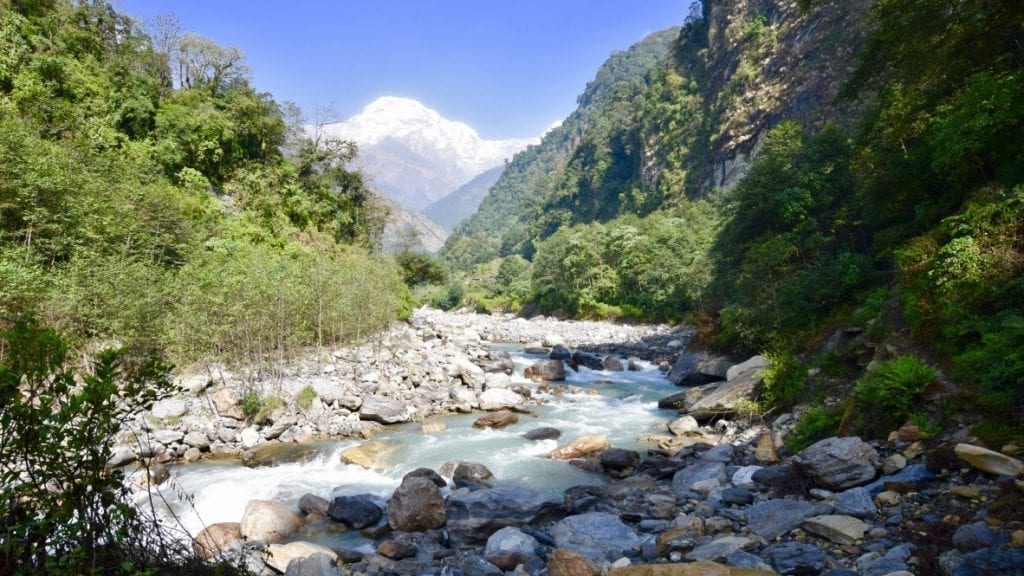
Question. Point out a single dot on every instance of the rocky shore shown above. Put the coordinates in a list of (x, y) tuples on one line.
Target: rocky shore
[(714, 494)]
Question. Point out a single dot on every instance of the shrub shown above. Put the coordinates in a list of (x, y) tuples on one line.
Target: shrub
[(61, 510), (817, 423), (784, 380), (888, 395), (304, 398)]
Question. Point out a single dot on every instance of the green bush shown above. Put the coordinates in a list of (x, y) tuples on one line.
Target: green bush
[(784, 380), (887, 396), (818, 423), (304, 398)]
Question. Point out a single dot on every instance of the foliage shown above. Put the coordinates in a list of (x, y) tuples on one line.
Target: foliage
[(304, 398), (418, 268), (817, 423), (62, 510), (784, 379), (887, 396)]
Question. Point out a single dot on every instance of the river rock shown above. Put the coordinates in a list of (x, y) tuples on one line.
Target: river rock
[(590, 361), (355, 511), (536, 347), (990, 562), (280, 426), (225, 401), (396, 549), (989, 461), (856, 502), (718, 550), (728, 396), (197, 439), (774, 518), (169, 408), (795, 558), (428, 474), (766, 451), (840, 463), (752, 363), (683, 367), (546, 371), (416, 505), (598, 536), (500, 366), (249, 437), (314, 565), (843, 530), (278, 453), (583, 446), (377, 454), (551, 340), (564, 562), (382, 409), (471, 374), (432, 426), (543, 433), (497, 380), (279, 556), (619, 462), (499, 419), (688, 569), (975, 536), (684, 481), (683, 425), (560, 353), (472, 472), (121, 456), (474, 516), (216, 537), (499, 399), (510, 547), (612, 364), (474, 565), (268, 521), (313, 504)]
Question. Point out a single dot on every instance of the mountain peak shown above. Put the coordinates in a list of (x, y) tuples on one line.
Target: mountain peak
[(415, 155)]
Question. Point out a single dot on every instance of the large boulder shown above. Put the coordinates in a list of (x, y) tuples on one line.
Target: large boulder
[(598, 536), (752, 363), (542, 433), (584, 359), (376, 408), (564, 562), (509, 547), (274, 454), (355, 511), (279, 556), (169, 408), (268, 521), (474, 516), (471, 472), (619, 462), (377, 454), (226, 401), (989, 461), (718, 550), (315, 565), (685, 400), (416, 505), (696, 477), (216, 537), (499, 399), (580, 447), (729, 396), (840, 463), (795, 558), (546, 371), (499, 419), (774, 518)]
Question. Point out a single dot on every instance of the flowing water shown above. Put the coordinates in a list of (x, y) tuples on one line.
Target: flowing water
[(625, 408)]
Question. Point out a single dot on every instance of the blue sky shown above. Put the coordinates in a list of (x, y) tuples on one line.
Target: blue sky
[(509, 69)]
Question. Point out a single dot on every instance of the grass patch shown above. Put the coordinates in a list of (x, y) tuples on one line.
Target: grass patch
[(304, 398)]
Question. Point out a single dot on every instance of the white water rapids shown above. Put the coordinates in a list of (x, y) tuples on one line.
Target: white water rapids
[(625, 408)]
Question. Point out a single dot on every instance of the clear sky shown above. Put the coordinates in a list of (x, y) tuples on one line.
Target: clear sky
[(508, 68)]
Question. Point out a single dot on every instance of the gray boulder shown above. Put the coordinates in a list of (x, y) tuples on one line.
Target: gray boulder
[(416, 505), (544, 433), (598, 536), (684, 480), (856, 502), (385, 410), (510, 547), (727, 398), (169, 408), (355, 511), (840, 463), (315, 565), (546, 371), (774, 518), (474, 516), (795, 558)]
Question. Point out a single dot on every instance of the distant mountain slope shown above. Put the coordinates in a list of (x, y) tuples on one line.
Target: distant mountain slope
[(430, 234), (462, 203), (606, 101), (414, 155)]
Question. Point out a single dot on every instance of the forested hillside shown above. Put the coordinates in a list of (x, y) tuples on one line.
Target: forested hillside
[(784, 169), (146, 189)]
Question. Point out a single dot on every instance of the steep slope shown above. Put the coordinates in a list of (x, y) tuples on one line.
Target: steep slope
[(606, 101), (462, 203), (416, 156), (404, 223)]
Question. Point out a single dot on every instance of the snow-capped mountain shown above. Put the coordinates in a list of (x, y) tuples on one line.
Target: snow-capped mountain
[(416, 156)]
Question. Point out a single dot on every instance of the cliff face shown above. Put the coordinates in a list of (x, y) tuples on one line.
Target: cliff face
[(680, 125), (768, 61)]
